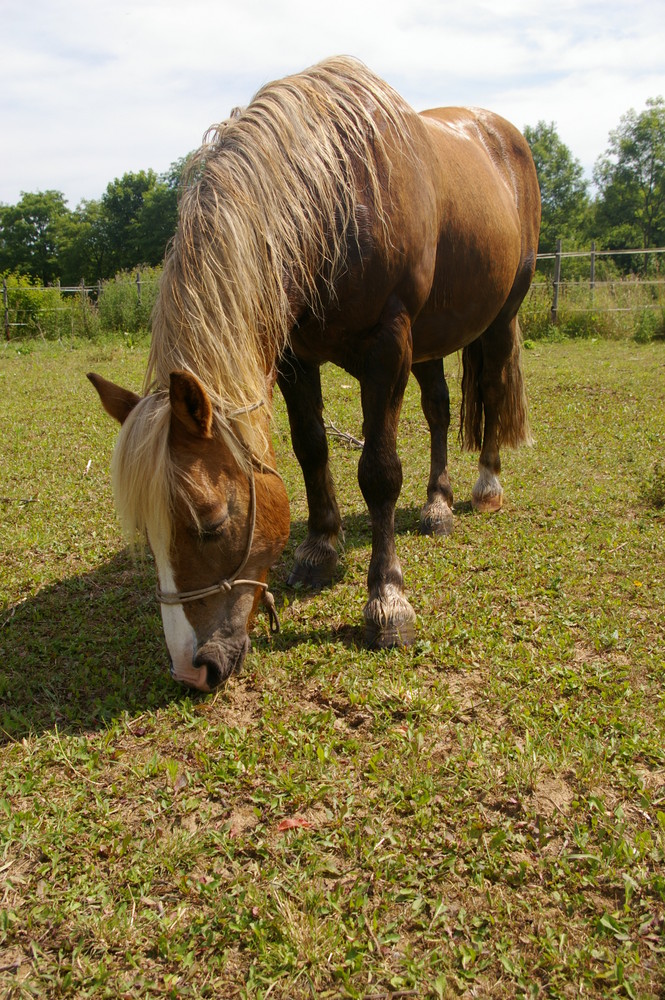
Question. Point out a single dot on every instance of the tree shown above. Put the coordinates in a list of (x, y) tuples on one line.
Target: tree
[(84, 245), (122, 203), (563, 189), (158, 216), (31, 235), (631, 180)]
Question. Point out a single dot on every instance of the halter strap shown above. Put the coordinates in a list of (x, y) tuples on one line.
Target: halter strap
[(227, 584)]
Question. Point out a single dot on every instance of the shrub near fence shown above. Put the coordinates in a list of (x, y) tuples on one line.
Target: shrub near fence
[(123, 304), (126, 302), (50, 313)]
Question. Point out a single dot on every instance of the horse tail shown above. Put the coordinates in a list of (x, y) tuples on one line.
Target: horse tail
[(506, 384), (514, 427), (471, 411)]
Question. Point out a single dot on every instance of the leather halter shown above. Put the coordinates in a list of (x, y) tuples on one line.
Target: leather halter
[(229, 582)]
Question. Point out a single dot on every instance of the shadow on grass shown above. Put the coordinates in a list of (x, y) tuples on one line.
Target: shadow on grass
[(357, 535), (358, 529), (90, 648), (83, 651)]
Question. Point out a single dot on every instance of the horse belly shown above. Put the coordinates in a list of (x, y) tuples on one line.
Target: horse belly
[(479, 246), (440, 334), (468, 292)]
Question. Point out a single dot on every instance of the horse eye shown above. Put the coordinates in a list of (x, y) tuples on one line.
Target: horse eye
[(212, 522), (214, 529)]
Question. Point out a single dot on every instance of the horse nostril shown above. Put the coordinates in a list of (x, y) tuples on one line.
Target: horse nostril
[(214, 675), (220, 661)]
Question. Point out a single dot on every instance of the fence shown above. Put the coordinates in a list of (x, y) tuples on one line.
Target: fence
[(560, 286), (35, 307)]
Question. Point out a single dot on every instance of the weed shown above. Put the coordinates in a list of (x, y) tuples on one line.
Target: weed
[(653, 488)]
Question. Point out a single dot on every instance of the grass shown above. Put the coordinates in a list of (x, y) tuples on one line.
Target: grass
[(480, 815)]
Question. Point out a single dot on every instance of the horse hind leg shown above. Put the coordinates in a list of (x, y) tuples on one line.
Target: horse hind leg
[(316, 557), (436, 517), (494, 409)]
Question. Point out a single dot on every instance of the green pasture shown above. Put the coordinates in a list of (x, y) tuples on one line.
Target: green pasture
[(481, 815)]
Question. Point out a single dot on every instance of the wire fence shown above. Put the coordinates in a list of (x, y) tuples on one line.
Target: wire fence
[(622, 290), (125, 303)]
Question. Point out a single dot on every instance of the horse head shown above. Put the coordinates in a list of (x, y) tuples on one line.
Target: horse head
[(216, 519)]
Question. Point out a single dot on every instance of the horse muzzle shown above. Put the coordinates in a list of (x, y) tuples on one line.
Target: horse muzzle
[(213, 663)]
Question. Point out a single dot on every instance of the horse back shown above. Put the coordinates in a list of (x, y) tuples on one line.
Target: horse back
[(490, 150)]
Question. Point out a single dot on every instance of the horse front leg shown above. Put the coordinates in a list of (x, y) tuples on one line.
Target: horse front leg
[(315, 557), (389, 618), (436, 517)]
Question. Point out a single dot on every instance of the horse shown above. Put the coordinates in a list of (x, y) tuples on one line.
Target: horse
[(325, 222)]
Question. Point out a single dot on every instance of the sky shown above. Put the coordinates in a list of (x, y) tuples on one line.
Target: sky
[(91, 89)]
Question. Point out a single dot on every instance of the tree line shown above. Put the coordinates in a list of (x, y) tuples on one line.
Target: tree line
[(628, 208), (131, 224)]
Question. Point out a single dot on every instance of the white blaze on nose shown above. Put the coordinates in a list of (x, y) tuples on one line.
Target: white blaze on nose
[(179, 634)]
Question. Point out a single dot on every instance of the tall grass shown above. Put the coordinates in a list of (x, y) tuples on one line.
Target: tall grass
[(616, 309), (620, 309)]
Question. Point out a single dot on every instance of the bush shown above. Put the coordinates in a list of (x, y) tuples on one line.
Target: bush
[(48, 313), (121, 308), (649, 325), (54, 313), (581, 325)]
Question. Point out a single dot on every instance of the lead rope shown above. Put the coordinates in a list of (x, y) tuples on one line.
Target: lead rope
[(268, 600)]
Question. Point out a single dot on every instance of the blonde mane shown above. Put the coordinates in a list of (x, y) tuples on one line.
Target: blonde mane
[(268, 208), (142, 476), (268, 205)]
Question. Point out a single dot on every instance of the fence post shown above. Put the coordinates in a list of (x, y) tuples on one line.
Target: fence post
[(592, 278), (83, 302), (557, 278), (5, 300), (138, 286)]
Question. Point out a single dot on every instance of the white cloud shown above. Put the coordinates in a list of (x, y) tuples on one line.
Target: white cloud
[(90, 91)]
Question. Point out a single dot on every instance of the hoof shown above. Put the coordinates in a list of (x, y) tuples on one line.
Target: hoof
[(312, 577), (315, 563), (398, 634), (487, 494), (488, 504), (389, 621), (436, 519)]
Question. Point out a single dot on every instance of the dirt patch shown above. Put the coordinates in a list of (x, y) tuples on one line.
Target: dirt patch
[(242, 820), (551, 795), (238, 705), (467, 690)]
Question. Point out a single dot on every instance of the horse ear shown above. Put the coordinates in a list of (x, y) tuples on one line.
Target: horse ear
[(191, 404), (117, 402)]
